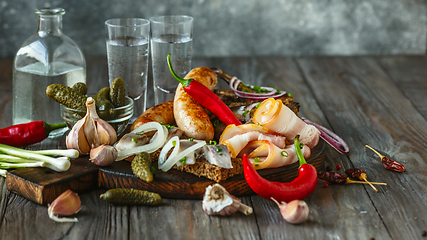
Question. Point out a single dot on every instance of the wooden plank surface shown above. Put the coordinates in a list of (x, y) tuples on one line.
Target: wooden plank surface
[(361, 99), (369, 109)]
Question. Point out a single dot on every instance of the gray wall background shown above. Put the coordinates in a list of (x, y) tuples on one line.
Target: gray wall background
[(241, 27)]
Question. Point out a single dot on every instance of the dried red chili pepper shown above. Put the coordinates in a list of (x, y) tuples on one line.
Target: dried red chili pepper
[(359, 174), (388, 163), (298, 189), (27, 133), (339, 178), (206, 98), (333, 177)]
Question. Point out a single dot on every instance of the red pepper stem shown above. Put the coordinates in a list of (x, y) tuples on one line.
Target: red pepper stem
[(298, 151), (50, 127), (184, 82)]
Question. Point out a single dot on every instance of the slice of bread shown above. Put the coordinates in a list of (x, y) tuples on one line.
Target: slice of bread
[(202, 168)]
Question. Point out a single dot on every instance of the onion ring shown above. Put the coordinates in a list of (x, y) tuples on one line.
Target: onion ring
[(330, 137), (156, 142), (174, 157)]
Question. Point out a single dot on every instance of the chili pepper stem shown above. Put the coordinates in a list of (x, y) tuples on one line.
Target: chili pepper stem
[(364, 178), (50, 127), (352, 181), (184, 82), (301, 158), (375, 151)]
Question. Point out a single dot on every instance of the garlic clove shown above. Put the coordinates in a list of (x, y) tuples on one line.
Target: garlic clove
[(90, 131), (103, 155), (66, 204), (76, 138), (106, 133), (90, 125), (217, 201), (295, 211)]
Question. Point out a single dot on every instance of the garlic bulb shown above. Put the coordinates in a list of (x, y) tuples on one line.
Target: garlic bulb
[(217, 201), (90, 131), (66, 204), (104, 155), (295, 211)]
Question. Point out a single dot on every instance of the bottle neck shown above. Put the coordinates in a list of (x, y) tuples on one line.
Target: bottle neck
[(50, 24)]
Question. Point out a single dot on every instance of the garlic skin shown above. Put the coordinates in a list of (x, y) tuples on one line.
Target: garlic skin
[(90, 131), (66, 204), (217, 201), (294, 212), (104, 155)]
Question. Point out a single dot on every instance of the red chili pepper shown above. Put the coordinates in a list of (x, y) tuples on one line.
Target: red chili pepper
[(27, 133), (388, 163), (205, 97), (298, 189)]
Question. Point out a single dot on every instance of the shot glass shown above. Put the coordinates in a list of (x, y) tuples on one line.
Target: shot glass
[(127, 52), (170, 35)]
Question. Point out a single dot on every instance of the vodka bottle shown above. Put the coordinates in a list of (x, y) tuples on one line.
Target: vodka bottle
[(45, 58)]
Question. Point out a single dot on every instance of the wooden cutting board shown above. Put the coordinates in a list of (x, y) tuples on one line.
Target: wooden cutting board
[(43, 185)]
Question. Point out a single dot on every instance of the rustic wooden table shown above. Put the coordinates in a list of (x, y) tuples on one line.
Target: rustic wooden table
[(378, 101)]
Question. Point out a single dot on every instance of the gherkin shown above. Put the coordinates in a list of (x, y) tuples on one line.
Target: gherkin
[(141, 167), (118, 92), (80, 87), (66, 96), (130, 196)]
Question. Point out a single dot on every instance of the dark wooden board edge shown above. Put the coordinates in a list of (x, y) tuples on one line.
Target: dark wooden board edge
[(192, 187), (42, 185)]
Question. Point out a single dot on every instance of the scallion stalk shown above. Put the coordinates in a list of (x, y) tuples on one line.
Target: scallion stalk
[(60, 164)]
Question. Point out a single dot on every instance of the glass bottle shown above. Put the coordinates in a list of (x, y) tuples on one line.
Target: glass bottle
[(45, 58)]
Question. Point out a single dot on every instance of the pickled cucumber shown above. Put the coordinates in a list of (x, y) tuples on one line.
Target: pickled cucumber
[(118, 92), (66, 96), (105, 109), (80, 88), (103, 94), (141, 167), (130, 196)]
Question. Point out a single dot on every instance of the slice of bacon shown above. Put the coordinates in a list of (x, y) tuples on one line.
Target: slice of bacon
[(273, 115), (237, 137), (264, 154)]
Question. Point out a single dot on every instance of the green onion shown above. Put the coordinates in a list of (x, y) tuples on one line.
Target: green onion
[(218, 149), (190, 139), (182, 160), (289, 95), (153, 170), (134, 140), (216, 123), (59, 164), (174, 143), (256, 159), (140, 133), (245, 112), (284, 153), (212, 142), (220, 154), (258, 105)]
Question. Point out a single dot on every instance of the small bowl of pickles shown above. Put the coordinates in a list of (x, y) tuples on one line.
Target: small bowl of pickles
[(118, 117), (111, 103)]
